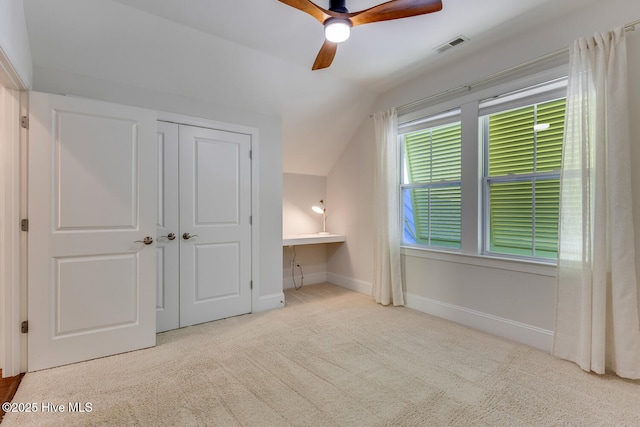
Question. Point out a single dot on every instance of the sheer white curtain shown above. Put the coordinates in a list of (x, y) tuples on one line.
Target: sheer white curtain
[(387, 277), (597, 324)]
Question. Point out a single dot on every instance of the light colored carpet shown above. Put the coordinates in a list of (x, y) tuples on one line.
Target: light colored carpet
[(331, 357)]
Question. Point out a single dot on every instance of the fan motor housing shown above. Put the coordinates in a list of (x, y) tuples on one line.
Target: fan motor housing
[(338, 6)]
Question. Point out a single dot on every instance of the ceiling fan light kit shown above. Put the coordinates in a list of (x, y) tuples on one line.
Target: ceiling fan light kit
[(337, 20), (337, 30)]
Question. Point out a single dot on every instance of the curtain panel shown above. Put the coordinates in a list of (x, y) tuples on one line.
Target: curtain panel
[(597, 323), (387, 274)]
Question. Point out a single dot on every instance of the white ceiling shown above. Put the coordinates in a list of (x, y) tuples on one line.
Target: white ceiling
[(374, 55), (271, 45)]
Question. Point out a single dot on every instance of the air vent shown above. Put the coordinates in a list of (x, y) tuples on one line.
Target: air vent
[(452, 43)]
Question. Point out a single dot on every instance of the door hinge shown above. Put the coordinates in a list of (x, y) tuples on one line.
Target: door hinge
[(251, 284), (251, 220), (24, 225), (24, 122), (24, 327), (251, 154)]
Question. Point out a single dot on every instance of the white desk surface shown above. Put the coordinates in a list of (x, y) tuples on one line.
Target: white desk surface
[(312, 239)]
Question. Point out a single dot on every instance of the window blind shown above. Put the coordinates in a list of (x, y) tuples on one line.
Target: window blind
[(523, 181), (433, 165)]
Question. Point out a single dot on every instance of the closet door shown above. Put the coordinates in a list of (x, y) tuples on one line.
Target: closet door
[(168, 227), (215, 228), (92, 207)]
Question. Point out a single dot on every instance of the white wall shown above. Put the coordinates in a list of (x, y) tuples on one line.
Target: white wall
[(14, 45), (270, 154), (110, 40), (127, 56), (350, 188), (299, 193), (506, 298)]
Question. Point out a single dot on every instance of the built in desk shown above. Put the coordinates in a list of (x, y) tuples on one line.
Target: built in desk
[(312, 239)]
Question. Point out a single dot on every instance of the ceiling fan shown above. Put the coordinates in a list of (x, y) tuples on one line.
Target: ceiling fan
[(337, 20)]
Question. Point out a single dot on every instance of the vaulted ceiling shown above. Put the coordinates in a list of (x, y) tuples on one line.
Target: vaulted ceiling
[(257, 55)]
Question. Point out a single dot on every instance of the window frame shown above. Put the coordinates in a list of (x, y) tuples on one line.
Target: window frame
[(532, 177), (433, 121), (472, 105)]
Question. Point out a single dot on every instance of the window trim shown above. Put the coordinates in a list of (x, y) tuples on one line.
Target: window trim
[(444, 118), (535, 96), (501, 263), (472, 160)]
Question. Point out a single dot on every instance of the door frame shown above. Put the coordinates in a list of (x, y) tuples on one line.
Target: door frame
[(253, 133), (13, 195)]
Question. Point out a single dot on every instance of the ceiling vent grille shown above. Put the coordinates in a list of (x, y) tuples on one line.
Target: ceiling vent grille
[(452, 43)]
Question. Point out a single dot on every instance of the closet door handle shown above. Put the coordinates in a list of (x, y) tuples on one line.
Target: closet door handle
[(187, 236), (169, 236)]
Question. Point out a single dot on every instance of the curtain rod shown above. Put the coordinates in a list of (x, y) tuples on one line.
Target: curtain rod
[(628, 27)]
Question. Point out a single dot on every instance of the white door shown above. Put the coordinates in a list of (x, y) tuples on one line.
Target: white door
[(168, 227), (92, 195), (215, 224)]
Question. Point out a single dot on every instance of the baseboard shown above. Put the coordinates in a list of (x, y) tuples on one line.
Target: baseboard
[(515, 331), (269, 302), (350, 283), (309, 279)]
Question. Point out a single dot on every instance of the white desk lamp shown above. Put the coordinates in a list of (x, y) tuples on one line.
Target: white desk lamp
[(322, 210)]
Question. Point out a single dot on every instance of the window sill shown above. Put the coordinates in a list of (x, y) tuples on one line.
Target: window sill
[(521, 266)]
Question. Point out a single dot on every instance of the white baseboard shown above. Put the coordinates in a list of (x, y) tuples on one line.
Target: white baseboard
[(515, 331), (350, 283), (269, 302), (309, 279)]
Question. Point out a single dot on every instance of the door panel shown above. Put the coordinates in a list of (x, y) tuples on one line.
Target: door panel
[(92, 180), (168, 251), (225, 270), (80, 303), (216, 182), (104, 170), (215, 206)]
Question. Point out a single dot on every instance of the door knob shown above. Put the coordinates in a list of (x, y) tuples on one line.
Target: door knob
[(147, 240), (187, 236), (169, 236)]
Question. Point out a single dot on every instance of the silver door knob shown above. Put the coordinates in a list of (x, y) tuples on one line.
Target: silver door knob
[(147, 240), (169, 236), (187, 236)]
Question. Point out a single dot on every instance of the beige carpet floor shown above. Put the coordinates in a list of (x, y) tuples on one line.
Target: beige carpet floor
[(331, 357)]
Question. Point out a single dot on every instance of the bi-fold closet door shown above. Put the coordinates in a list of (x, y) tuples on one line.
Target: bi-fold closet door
[(204, 225)]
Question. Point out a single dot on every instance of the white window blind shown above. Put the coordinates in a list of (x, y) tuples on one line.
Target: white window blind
[(524, 152), (431, 187)]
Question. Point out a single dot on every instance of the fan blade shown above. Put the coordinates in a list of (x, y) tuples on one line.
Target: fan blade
[(395, 10), (309, 7), (326, 55)]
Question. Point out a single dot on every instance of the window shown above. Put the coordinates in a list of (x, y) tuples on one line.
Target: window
[(523, 149), (431, 186), (504, 202)]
